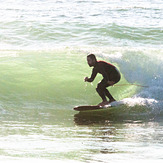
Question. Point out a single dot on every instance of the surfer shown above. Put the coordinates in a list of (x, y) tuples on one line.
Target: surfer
[(110, 76)]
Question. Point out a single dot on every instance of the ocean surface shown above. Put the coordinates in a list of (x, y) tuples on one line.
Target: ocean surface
[(43, 49)]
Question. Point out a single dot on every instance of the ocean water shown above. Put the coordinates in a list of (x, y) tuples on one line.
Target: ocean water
[(43, 49)]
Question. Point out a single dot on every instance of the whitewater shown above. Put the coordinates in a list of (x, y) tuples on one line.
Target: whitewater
[(43, 50)]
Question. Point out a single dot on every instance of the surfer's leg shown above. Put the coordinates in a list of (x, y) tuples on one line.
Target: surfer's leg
[(114, 77), (101, 90), (111, 98)]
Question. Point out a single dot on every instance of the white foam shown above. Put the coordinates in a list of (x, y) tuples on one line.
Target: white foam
[(134, 101), (138, 101)]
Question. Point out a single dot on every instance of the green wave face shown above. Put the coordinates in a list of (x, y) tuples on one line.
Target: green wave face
[(50, 78)]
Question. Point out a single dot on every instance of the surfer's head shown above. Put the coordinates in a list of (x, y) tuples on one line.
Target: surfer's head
[(91, 59)]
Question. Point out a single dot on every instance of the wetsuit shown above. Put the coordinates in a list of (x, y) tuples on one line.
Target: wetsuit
[(109, 73)]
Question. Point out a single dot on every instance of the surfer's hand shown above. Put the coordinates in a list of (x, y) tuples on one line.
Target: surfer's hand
[(86, 79), (111, 83)]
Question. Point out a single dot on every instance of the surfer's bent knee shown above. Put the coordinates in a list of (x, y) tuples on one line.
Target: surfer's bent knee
[(100, 87)]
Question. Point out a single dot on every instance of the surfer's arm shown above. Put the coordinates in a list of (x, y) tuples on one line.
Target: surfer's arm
[(94, 73)]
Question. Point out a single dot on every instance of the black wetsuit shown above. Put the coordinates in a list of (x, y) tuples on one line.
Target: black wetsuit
[(109, 73)]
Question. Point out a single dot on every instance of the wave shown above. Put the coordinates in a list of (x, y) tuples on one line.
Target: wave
[(139, 35), (22, 36), (54, 78)]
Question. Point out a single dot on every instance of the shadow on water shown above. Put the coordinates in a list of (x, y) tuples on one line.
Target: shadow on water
[(115, 114)]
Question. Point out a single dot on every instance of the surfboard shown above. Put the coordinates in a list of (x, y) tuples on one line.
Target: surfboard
[(97, 107), (91, 107), (87, 107)]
